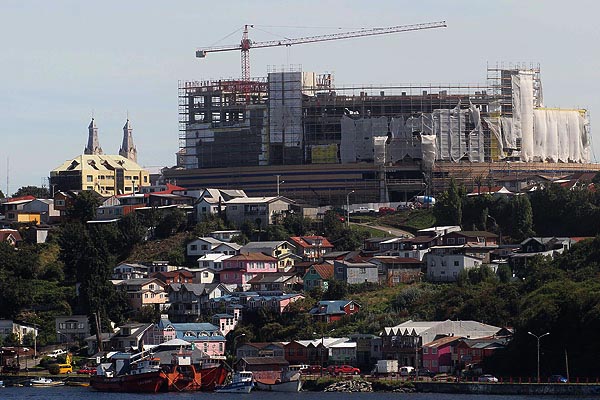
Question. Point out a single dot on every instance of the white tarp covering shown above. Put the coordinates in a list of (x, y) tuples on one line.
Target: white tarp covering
[(560, 135), (358, 138), (522, 88), (285, 108), (428, 145)]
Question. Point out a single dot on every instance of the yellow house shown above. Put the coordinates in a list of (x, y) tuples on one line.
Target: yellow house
[(282, 250), (23, 217), (108, 175)]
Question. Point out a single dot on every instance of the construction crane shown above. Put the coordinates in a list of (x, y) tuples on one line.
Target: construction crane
[(246, 44)]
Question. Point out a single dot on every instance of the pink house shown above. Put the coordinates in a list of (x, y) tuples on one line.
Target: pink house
[(242, 268), (437, 355)]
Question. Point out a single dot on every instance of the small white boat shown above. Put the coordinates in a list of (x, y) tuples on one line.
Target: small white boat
[(44, 382), (241, 382)]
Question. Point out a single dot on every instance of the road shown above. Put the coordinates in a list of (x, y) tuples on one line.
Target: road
[(392, 231)]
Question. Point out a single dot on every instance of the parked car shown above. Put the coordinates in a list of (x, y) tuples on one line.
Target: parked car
[(56, 353), (386, 210), (312, 369), (343, 370), (444, 378), (406, 370), (85, 370), (421, 372), (487, 378), (557, 379)]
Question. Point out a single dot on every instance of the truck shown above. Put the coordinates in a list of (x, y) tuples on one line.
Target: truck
[(385, 368)]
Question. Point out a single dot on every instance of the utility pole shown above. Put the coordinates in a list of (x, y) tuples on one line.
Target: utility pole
[(348, 208)]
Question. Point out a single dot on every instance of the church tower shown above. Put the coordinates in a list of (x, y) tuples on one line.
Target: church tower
[(128, 149), (93, 145)]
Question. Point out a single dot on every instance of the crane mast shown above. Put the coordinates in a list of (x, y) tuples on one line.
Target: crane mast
[(246, 44)]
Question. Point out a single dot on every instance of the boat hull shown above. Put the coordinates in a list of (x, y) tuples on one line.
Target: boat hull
[(238, 387), (212, 377), (151, 382), (289, 386)]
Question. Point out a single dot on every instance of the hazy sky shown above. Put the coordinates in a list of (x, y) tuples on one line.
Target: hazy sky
[(61, 61)]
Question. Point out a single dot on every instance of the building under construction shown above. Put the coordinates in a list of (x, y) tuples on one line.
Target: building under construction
[(299, 133)]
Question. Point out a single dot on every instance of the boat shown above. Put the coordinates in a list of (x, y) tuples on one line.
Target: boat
[(241, 382), (288, 382), (44, 382), (144, 376), (213, 375)]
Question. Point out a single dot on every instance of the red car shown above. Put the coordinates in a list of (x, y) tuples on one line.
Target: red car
[(386, 210), (87, 370), (343, 370)]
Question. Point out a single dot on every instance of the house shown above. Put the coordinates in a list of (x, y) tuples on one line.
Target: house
[(10, 236), (263, 368), (160, 266), (131, 336), (230, 249), (225, 322), (126, 271), (393, 271), (201, 246), (373, 245), (263, 350), (144, 292), (354, 273), (72, 328), (240, 269), (480, 238), (469, 353), (63, 201), (91, 342), (415, 247), (318, 275), (404, 341), (225, 236), (302, 352), (343, 352), (277, 302), (437, 355), (445, 263), (203, 335), (188, 300), (11, 207), (284, 282), (259, 210), (281, 250), (310, 248), (212, 201), (203, 275), (44, 208), (368, 350), (178, 276), (539, 246), (19, 330), (333, 310), (213, 261)]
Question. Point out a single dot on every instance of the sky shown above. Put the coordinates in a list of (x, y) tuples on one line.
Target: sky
[(63, 62)]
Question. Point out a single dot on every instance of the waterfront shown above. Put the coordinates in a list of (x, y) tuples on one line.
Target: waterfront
[(77, 393)]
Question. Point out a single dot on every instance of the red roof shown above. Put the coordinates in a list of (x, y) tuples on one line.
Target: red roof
[(13, 199), (307, 241), (4, 233), (325, 271)]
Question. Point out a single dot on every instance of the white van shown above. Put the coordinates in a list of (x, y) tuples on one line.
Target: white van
[(56, 353), (405, 371)]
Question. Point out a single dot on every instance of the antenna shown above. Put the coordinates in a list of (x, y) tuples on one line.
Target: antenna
[(7, 175)]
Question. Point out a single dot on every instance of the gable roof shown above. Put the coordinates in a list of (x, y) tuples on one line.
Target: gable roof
[(331, 307), (252, 257), (6, 233), (311, 241), (325, 271)]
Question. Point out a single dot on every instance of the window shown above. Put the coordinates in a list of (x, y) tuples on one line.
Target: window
[(456, 263), (204, 247), (89, 178), (450, 241), (59, 202), (434, 363), (351, 306), (363, 270), (434, 350), (194, 247), (425, 350), (460, 240)]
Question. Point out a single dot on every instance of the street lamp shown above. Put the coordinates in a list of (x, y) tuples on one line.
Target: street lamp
[(279, 183), (538, 351), (234, 348), (348, 208), (323, 347)]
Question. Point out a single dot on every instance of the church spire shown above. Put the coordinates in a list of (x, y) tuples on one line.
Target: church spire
[(93, 145), (128, 149)]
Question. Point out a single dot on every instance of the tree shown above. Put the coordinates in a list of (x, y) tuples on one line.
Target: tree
[(35, 191), (522, 217), (296, 224), (84, 206), (336, 290), (171, 223), (448, 208), (1, 194)]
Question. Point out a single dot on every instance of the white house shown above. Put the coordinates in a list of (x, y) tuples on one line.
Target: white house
[(445, 263), (201, 246), (213, 261), (225, 236), (231, 249)]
